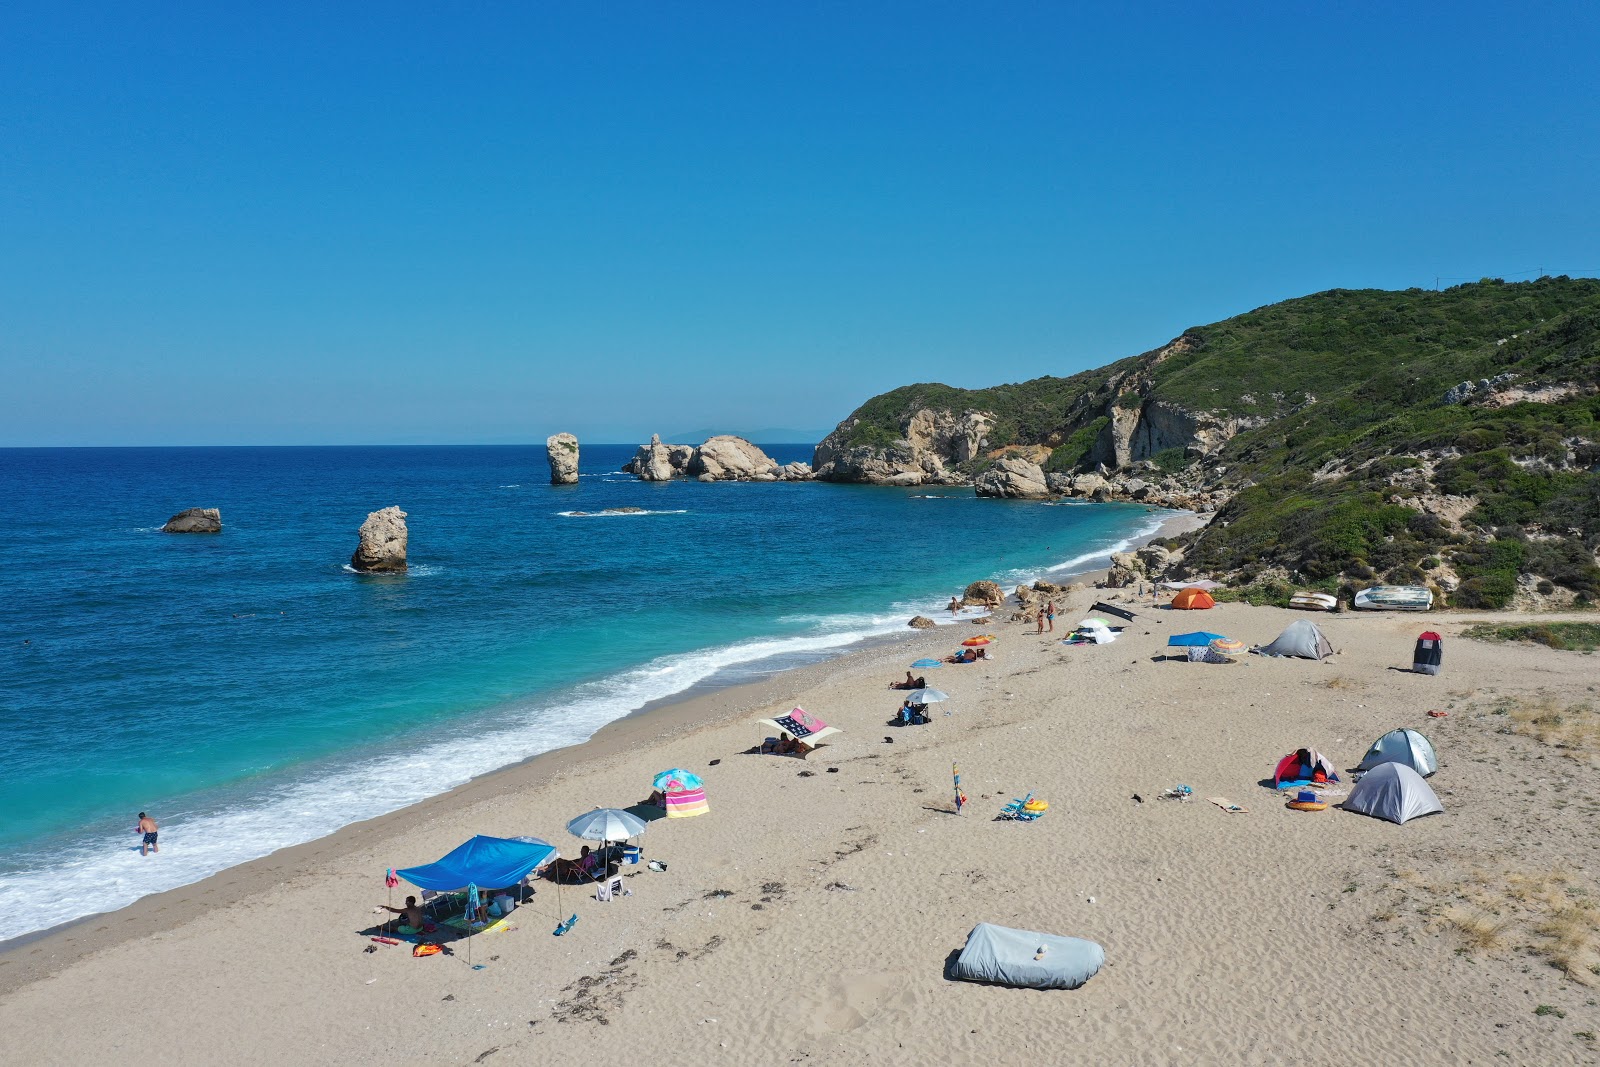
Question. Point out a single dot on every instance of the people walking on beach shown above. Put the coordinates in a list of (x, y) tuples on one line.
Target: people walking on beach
[(1039, 622), (1050, 616), (954, 607), (148, 827)]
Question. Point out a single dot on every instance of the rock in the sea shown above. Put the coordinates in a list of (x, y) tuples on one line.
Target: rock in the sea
[(383, 542), (195, 520), (656, 462), (1012, 476), (921, 622), (562, 448), (726, 458), (795, 472), (984, 592)]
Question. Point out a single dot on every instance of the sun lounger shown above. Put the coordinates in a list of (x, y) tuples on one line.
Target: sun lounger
[(1018, 811)]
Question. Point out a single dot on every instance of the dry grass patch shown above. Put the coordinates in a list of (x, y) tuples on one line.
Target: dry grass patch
[(1480, 931), (1574, 729)]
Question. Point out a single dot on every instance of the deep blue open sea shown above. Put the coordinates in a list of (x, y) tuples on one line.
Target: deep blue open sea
[(251, 692)]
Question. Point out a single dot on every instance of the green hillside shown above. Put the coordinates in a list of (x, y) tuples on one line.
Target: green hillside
[(1350, 385)]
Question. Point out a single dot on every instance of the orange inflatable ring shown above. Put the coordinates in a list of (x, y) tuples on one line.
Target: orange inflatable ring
[(1308, 805)]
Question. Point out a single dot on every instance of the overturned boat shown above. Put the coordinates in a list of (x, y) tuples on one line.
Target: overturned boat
[(1394, 598), (1314, 601)]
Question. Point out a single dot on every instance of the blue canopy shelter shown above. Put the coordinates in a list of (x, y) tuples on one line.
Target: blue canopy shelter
[(486, 862), (1200, 638)]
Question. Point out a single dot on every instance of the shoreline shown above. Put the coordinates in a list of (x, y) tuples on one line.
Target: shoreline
[(701, 706)]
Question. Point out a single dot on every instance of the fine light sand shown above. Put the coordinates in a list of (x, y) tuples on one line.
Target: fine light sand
[(810, 917)]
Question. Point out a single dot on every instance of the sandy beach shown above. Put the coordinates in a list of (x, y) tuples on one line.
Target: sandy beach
[(811, 915)]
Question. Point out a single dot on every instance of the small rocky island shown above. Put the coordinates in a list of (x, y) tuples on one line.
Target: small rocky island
[(383, 543), (723, 458), (562, 450), (195, 520)]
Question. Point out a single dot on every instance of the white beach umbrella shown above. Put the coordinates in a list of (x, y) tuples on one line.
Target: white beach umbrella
[(606, 824), (928, 696)]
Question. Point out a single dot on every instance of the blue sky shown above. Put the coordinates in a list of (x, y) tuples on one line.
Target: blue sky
[(486, 223)]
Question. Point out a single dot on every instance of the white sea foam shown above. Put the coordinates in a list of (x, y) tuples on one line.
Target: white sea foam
[(413, 570), (613, 513), (103, 874)]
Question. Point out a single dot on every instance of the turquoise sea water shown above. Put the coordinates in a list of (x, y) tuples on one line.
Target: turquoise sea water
[(252, 692)]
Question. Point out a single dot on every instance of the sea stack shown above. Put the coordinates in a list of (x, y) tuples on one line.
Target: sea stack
[(195, 520), (383, 543), (562, 448)]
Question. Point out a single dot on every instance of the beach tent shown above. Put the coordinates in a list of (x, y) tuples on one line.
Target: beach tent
[(1112, 609), (1301, 639), (1026, 958), (1394, 792), (1200, 638), (1302, 766), (801, 725), (1401, 746), (1429, 654), (487, 862), (1193, 598)]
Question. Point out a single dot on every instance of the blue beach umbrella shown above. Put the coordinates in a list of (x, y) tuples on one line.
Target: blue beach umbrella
[(676, 781), (927, 663), (1197, 639)]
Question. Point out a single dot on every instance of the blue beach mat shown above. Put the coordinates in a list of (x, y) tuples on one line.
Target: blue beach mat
[(927, 663)]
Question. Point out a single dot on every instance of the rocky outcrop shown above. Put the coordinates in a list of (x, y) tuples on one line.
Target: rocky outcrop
[(984, 592), (931, 444), (656, 462), (794, 472), (921, 622), (383, 543), (562, 450), (726, 458), (1460, 394), (195, 520), (1013, 477)]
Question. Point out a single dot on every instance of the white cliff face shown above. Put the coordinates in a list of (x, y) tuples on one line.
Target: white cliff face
[(562, 451), (932, 440), (383, 542), (726, 458)]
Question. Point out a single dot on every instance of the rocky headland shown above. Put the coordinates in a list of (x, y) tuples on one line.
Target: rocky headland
[(194, 520), (1346, 438), (383, 543)]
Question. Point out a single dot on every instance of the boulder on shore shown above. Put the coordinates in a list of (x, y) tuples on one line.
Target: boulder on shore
[(921, 622), (984, 592), (562, 449), (383, 543), (1012, 476), (195, 520)]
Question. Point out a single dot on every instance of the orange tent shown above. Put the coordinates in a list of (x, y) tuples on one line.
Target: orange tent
[(1193, 598)]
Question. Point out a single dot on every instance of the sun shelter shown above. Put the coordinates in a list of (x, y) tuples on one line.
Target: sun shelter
[(1193, 598), (1429, 654), (683, 793), (1303, 766), (1200, 638), (1026, 958), (1394, 792), (1112, 609), (486, 862), (1095, 630), (803, 726), (1300, 639), (1401, 746)]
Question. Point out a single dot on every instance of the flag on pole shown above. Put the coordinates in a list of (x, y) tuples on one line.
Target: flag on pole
[(961, 798)]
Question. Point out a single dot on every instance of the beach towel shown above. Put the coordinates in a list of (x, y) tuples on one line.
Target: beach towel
[(1228, 806)]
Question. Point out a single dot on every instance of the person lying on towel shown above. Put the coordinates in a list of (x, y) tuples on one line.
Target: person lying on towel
[(786, 746)]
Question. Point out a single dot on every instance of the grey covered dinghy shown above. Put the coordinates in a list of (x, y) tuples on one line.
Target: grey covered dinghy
[(1005, 956)]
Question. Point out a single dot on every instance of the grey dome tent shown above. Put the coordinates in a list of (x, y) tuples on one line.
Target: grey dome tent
[(1394, 792), (1300, 638), (1401, 746), (1026, 958)]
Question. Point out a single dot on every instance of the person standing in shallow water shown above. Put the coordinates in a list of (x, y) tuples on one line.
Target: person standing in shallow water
[(148, 827)]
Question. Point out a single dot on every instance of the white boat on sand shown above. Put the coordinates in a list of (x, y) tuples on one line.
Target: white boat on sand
[(1394, 598), (1314, 601)]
